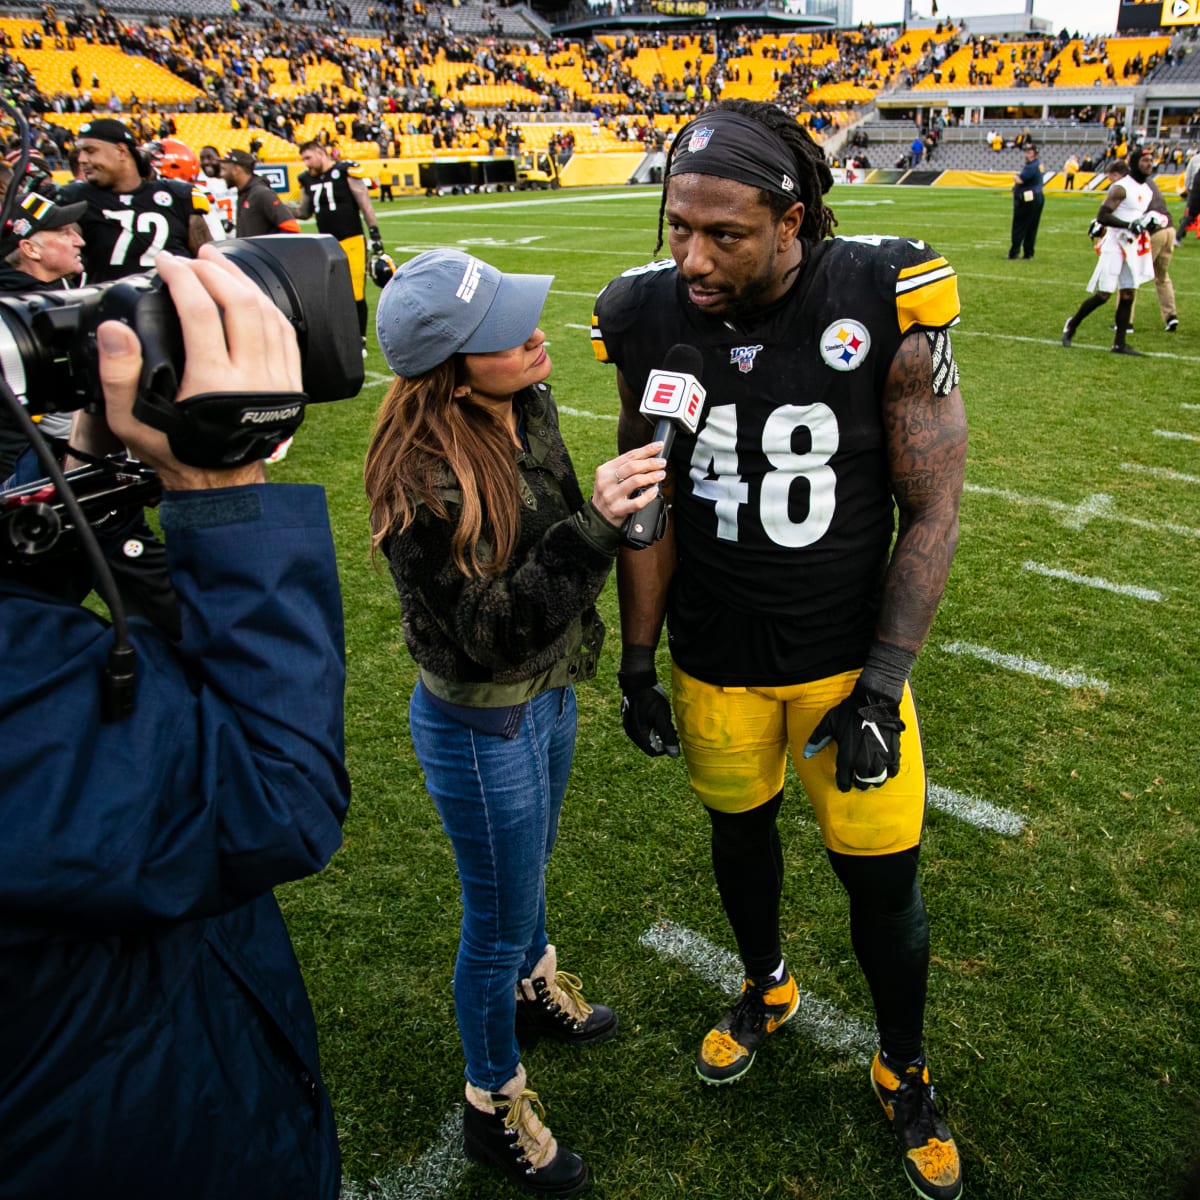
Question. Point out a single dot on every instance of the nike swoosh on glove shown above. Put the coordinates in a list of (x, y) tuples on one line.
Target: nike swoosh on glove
[(867, 731)]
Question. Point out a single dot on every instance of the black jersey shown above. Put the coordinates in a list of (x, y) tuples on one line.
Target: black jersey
[(125, 232), (783, 510), (333, 201)]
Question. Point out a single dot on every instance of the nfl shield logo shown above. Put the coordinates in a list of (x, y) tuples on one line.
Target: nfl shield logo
[(744, 357), (699, 139)]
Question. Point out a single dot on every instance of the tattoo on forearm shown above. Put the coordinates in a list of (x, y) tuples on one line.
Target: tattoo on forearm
[(926, 439)]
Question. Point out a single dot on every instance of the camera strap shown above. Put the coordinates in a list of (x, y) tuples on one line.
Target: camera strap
[(226, 429)]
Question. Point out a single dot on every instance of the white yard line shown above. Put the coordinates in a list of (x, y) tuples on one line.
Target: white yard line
[(1097, 507), (1057, 341), (1026, 666), (1160, 473), (1093, 581), (980, 813), (434, 1174), (820, 1020)]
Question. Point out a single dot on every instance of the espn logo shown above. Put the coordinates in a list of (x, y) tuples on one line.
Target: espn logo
[(674, 396)]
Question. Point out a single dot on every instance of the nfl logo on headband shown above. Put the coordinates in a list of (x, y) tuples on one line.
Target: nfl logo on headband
[(699, 139)]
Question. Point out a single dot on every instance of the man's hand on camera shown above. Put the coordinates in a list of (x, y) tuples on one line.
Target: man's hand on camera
[(233, 336)]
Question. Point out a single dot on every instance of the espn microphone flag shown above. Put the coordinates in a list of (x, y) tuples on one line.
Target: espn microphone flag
[(673, 399)]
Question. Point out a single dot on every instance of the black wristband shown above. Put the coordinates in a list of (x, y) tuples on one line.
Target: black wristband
[(637, 660), (886, 670)]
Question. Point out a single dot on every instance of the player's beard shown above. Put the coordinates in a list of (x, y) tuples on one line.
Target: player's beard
[(751, 297)]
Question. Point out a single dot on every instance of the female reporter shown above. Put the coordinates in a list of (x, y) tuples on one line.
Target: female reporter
[(498, 560)]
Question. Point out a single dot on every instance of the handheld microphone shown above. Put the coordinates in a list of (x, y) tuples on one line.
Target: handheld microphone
[(674, 399)]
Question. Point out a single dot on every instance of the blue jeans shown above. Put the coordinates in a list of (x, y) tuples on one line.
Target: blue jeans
[(499, 801)]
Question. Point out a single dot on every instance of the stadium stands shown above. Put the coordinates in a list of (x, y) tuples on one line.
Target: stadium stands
[(459, 75)]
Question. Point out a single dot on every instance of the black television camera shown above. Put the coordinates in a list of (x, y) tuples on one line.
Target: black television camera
[(49, 359), (48, 348)]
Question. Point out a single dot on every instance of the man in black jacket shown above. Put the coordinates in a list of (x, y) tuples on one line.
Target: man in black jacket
[(259, 210)]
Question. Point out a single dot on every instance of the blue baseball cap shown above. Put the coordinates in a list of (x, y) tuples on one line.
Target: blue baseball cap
[(447, 302)]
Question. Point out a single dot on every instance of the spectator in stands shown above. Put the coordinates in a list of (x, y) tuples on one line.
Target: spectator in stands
[(1070, 167), (1028, 200), (259, 210), (916, 151)]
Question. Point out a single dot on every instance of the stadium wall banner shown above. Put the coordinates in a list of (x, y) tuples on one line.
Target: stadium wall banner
[(681, 8), (277, 175)]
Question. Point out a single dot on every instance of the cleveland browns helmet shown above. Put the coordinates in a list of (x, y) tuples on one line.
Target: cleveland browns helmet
[(178, 161), (382, 268)]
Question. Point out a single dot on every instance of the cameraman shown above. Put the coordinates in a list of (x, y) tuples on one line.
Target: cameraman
[(155, 1035)]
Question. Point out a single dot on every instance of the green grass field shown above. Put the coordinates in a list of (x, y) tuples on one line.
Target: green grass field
[(1059, 686)]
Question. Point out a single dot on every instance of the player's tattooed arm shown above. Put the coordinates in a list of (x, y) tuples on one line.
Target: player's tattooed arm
[(926, 434)]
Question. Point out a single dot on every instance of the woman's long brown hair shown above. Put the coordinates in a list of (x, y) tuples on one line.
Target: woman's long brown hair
[(421, 429)]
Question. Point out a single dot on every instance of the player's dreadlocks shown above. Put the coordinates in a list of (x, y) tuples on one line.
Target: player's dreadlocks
[(808, 160)]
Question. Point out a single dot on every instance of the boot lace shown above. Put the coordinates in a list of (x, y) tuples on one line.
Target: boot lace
[(525, 1120), (566, 992)]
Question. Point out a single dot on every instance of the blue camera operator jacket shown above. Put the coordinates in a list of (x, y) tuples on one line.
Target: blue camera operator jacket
[(156, 1039)]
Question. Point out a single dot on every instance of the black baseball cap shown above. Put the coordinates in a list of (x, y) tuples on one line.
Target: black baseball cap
[(108, 129), (35, 213), (240, 158)]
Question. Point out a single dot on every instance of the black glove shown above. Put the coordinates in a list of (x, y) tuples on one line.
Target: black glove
[(645, 709), (376, 240), (867, 730)]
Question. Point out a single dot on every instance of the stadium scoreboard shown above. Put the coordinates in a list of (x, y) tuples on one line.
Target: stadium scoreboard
[(1143, 16)]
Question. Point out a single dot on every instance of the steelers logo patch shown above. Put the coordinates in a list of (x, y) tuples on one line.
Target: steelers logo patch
[(845, 345), (163, 199)]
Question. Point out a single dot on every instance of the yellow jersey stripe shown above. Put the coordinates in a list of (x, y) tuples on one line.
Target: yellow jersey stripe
[(911, 285), (921, 268), (933, 305)]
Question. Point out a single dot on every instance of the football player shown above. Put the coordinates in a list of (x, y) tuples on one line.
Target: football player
[(213, 183), (177, 160), (793, 620), (130, 215), (1126, 254), (335, 193)]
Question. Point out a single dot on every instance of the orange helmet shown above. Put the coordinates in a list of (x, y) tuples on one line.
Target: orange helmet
[(178, 161)]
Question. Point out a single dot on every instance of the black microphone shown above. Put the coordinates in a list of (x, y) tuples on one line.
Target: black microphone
[(674, 399)]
